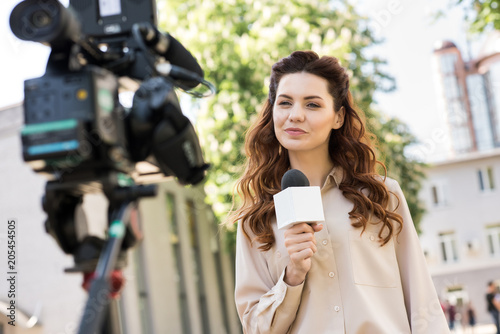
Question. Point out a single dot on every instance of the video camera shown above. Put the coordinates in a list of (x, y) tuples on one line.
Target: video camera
[(74, 123), (78, 134)]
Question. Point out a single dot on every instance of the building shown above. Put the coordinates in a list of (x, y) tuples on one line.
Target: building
[(179, 279), (470, 94), (461, 230)]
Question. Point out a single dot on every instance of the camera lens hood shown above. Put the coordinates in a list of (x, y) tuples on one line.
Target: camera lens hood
[(44, 21)]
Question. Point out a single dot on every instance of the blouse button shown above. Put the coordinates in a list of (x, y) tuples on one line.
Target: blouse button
[(324, 242), (337, 308), (331, 274), (278, 254), (372, 237)]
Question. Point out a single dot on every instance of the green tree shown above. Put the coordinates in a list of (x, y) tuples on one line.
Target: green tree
[(237, 41), (395, 139), (482, 14)]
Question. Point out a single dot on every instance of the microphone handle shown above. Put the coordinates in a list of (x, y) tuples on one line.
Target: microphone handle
[(174, 52), (178, 55)]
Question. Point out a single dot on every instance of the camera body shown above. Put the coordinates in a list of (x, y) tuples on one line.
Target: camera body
[(73, 120), (75, 127), (108, 20)]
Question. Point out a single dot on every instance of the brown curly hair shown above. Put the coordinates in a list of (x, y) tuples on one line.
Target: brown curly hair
[(267, 160)]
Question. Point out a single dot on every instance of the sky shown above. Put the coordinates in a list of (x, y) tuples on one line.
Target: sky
[(409, 39)]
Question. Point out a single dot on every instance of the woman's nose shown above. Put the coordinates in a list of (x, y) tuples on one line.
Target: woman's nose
[(296, 114)]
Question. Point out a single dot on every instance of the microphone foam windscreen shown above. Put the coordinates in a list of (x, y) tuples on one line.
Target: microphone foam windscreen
[(294, 178)]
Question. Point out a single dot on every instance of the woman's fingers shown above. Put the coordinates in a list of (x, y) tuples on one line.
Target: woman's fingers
[(299, 238), (317, 227), (300, 228), (300, 244), (296, 248), (302, 255)]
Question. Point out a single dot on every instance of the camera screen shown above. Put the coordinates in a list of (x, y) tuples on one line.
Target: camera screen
[(110, 7)]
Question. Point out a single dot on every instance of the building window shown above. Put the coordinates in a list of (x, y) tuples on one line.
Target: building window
[(493, 235), (493, 88), (435, 196), (451, 87), (448, 247), (438, 194), (448, 62), (483, 124), (486, 179), (457, 116), (461, 138)]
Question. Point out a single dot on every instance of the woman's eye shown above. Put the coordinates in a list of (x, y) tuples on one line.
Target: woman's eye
[(285, 103), (313, 105)]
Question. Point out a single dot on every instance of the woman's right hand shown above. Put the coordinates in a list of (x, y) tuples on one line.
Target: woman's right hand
[(301, 246)]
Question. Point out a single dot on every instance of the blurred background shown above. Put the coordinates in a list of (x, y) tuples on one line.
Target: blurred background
[(427, 76)]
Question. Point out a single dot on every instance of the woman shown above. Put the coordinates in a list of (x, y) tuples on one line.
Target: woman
[(362, 270)]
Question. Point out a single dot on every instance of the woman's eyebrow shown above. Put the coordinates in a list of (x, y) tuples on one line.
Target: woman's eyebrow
[(305, 98)]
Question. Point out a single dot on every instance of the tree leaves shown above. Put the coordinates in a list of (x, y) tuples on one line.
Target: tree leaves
[(482, 14)]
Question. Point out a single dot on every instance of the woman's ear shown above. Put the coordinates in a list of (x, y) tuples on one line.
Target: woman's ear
[(339, 121)]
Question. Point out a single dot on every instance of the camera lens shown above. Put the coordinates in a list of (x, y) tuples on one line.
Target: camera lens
[(44, 21), (40, 19)]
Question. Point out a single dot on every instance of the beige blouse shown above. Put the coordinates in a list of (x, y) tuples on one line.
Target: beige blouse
[(354, 285)]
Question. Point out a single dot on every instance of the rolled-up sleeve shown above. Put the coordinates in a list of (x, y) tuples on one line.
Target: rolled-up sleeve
[(264, 305), (425, 314)]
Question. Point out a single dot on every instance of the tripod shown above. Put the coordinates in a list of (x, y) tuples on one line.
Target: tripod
[(93, 255)]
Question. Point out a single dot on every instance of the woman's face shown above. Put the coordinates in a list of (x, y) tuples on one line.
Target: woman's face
[(303, 113)]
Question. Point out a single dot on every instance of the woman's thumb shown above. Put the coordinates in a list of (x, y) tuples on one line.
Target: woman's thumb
[(317, 227)]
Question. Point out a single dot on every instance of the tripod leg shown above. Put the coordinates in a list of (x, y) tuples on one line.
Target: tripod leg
[(112, 323), (100, 289)]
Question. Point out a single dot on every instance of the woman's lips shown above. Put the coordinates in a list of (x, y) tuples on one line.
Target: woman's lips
[(294, 131)]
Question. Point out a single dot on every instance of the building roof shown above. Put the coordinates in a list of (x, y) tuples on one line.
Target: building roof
[(444, 44), (468, 157), (11, 119), (12, 106)]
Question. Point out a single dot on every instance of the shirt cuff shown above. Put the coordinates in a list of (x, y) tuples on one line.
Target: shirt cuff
[(289, 296), (277, 308)]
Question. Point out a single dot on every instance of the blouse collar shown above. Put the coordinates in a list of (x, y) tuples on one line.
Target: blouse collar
[(334, 177)]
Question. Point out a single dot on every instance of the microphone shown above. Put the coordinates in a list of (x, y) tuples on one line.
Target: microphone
[(294, 178), (297, 202), (185, 67), (178, 55)]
